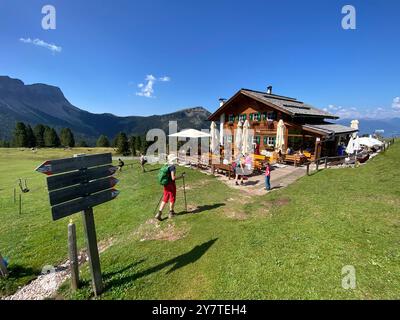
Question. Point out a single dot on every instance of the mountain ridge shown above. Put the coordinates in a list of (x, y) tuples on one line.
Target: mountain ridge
[(46, 104)]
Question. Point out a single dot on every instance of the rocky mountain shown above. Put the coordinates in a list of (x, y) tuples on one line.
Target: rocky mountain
[(41, 103), (391, 127)]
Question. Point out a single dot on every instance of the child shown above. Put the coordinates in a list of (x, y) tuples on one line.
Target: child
[(268, 177)]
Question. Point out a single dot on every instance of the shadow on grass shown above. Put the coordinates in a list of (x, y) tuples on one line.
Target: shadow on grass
[(132, 265), (17, 272), (203, 208), (178, 262)]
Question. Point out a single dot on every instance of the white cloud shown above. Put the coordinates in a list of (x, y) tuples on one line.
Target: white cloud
[(40, 43), (165, 79), (366, 113), (396, 104), (147, 88)]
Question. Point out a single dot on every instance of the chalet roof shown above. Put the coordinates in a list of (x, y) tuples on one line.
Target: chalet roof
[(329, 128), (287, 105), (290, 105)]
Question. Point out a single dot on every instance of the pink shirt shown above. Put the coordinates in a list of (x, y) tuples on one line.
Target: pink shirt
[(267, 171)]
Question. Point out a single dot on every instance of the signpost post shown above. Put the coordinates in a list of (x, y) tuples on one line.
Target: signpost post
[(77, 185)]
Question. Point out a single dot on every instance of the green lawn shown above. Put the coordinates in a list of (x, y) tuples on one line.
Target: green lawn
[(290, 244)]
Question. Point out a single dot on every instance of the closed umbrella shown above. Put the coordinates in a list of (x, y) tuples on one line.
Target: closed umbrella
[(354, 125), (246, 144), (280, 136), (238, 136), (350, 146), (214, 138)]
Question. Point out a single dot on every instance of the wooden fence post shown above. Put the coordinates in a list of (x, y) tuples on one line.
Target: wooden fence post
[(3, 268), (308, 168), (73, 256), (326, 162), (15, 196), (92, 250), (20, 203), (317, 164)]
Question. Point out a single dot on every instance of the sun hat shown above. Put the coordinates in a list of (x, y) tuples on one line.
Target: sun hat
[(171, 158)]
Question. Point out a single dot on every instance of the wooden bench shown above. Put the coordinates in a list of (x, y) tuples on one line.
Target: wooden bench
[(227, 168), (295, 159)]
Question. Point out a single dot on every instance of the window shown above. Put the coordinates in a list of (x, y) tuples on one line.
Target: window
[(231, 118), (255, 116), (243, 117), (269, 141), (257, 139), (270, 115)]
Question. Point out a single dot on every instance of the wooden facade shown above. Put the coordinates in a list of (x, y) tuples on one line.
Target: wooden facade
[(264, 116)]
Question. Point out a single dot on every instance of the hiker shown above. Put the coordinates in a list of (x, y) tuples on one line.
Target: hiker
[(120, 164), (268, 177), (239, 169), (167, 178), (143, 161)]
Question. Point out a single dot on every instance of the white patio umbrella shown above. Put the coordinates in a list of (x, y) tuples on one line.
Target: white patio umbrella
[(354, 125), (280, 136), (190, 133), (239, 136), (247, 143), (370, 142), (350, 146), (214, 144)]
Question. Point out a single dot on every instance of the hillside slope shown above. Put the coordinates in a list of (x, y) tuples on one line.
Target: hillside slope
[(41, 103)]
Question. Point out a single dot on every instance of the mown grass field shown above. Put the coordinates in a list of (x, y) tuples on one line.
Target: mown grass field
[(289, 244)]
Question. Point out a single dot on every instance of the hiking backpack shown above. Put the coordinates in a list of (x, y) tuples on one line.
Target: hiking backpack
[(164, 175)]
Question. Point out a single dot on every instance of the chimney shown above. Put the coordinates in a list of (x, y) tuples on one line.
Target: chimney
[(269, 90), (221, 102)]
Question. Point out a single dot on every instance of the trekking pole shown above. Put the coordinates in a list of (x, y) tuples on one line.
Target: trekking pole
[(155, 210), (184, 190)]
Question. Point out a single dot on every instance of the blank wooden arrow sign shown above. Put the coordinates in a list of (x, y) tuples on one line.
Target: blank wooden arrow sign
[(79, 184), (67, 208), (70, 164)]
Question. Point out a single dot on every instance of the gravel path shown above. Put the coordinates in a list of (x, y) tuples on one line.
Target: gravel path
[(48, 283)]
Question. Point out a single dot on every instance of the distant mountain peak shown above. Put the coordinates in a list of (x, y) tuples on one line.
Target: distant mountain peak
[(46, 104)]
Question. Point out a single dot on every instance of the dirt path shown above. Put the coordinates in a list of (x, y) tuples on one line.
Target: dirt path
[(281, 177)]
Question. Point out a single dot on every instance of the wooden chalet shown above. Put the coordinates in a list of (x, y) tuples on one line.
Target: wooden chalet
[(307, 128)]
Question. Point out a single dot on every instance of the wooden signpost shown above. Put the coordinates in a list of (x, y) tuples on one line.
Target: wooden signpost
[(77, 185)]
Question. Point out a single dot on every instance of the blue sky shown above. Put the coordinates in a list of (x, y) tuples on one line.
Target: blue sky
[(199, 51)]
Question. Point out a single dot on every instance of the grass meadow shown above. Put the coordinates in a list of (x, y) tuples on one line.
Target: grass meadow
[(288, 244)]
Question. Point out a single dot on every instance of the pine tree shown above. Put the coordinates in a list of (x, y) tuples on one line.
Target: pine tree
[(30, 136), (144, 145), (132, 145), (103, 142), (51, 139), (122, 144), (82, 144), (20, 138), (67, 138), (138, 143), (39, 135)]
